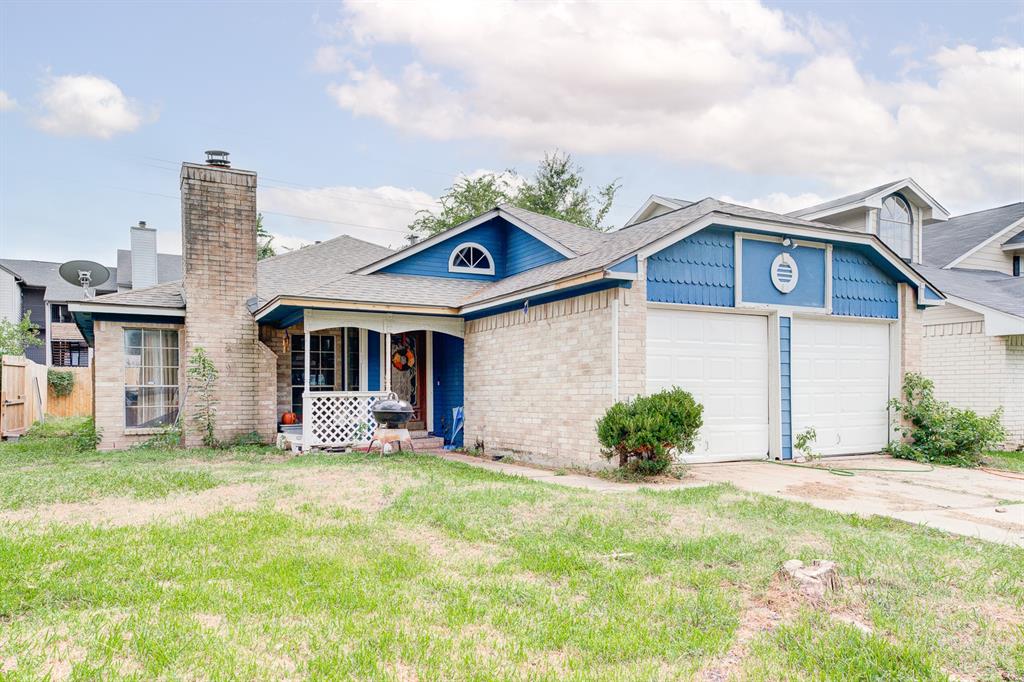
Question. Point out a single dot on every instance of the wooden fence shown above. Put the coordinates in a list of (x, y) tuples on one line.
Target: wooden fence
[(79, 402), (23, 394)]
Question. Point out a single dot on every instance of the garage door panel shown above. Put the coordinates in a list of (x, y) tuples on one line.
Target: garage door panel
[(841, 383), (722, 359)]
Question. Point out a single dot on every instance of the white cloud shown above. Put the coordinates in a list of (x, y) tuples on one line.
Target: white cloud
[(778, 202), (7, 103), (376, 214), (86, 105), (734, 84), (328, 59)]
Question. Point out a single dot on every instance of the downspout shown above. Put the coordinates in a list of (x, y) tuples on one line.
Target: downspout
[(615, 347)]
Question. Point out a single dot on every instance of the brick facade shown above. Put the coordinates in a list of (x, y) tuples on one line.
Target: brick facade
[(218, 209), (911, 330), (109, 377), (973, 370), (536, 383)]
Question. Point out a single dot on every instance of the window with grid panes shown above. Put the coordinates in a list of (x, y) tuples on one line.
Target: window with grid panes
[(150, 378), (322, 349)]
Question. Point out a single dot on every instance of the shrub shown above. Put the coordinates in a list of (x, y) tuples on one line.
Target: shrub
[(61, 381), (644, 432), (935, 431)]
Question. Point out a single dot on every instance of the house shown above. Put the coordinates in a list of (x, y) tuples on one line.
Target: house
[(974, 345), (533, 325), (37, 287)]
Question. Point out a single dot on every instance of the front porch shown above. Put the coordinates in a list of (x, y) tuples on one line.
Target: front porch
[(334, 365)]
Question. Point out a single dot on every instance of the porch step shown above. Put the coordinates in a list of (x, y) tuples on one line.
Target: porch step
[(425, 442)]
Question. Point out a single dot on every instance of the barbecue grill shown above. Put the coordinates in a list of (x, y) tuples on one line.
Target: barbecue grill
[(391, 414)]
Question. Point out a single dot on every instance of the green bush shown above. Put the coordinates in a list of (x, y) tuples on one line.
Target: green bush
[(76, 434), (61, 381), (644, 432), (935, 431)]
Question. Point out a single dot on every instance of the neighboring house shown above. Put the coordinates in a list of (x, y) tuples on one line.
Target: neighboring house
[(535, 326), (974, 345), (37, 287)]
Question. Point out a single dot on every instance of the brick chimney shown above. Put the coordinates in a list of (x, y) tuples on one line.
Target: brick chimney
[(218, 234), (143, 243)]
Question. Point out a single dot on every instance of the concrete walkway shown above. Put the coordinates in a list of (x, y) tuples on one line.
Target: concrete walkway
[(964, 501)]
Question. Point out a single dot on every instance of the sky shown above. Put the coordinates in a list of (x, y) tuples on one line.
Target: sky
[(357, 115)]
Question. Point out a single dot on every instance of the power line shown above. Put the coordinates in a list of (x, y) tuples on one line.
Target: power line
[(285, 215), (386, 203)]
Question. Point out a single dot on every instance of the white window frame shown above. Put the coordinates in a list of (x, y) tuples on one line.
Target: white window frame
[(471, 271), (139, 386), (911, 226)]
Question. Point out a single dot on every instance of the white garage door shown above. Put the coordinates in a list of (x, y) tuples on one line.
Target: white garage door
[(841, 384), (722, 359)]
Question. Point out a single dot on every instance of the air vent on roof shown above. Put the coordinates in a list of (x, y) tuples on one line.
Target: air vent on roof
[(216, 157)]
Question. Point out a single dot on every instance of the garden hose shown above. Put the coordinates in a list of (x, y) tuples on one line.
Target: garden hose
[(849, 471)]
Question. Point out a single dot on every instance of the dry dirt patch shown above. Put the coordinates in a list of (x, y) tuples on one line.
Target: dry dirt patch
[(348, 487)]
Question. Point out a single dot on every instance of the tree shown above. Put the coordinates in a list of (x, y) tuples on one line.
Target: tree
[(467, 198), (202, 380), (556, 189), (15, 337), (263, 240)]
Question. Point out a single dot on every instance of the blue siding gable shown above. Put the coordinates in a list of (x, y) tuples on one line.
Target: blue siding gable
[(524, 251), (860, 288), (512, 249), (757, 261), (697, 270)]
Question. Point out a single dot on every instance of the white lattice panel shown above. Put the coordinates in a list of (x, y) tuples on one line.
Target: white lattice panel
[(338, 418)]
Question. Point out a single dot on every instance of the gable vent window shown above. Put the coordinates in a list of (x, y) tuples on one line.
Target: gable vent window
[(471, 258), (895, 225)]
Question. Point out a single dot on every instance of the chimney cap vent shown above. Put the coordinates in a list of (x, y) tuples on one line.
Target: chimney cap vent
[(142, 224), (217, 157)]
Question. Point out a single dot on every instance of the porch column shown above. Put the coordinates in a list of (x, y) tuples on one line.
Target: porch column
[(387, 362), (306, 357), (307, 423)]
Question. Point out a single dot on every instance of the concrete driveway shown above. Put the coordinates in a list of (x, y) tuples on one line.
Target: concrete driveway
[(965, 501)]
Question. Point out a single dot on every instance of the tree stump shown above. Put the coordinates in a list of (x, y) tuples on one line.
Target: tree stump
[(815, 580)]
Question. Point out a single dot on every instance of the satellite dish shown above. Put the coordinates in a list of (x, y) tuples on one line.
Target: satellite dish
[(84, 273)]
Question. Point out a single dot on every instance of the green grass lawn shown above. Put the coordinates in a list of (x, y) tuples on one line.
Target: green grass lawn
[(411, 567), (1011, 461)]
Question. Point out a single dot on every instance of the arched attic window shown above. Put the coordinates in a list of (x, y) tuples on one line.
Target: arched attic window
[(896, 225), (471, 258)]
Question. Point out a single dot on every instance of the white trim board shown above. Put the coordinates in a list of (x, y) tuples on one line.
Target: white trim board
[(1001, 233), (875, 201), (82, 307), (997, 323)]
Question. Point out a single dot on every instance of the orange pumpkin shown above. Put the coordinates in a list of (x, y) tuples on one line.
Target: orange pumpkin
[(289, 418)]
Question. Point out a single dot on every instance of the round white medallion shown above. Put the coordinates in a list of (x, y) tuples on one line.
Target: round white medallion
[(784, 273)]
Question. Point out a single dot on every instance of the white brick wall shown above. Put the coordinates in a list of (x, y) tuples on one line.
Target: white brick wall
[(535, 384), (975, 371)]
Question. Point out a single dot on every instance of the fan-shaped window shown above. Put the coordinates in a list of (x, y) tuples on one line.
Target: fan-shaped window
[(471, 258), (895, 225)]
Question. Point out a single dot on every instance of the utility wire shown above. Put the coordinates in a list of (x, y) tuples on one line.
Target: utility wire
[(285, 215)]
